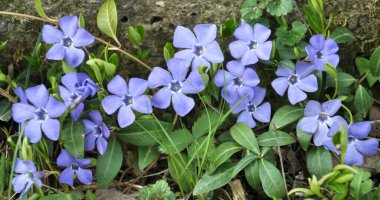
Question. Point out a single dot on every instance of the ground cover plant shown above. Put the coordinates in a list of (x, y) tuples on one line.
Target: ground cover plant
[(254, 108)]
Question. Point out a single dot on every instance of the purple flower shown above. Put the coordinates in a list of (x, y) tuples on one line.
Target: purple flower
[(298, 82), (127, 97), (251, 44), (237, 82), (28, 175), (96, 131), (41, 114), (78, 86), (318, 118), (74, 166), (175, 86), (200, 49), (357, 147), (322, 51), (65, 42), (253, 109)]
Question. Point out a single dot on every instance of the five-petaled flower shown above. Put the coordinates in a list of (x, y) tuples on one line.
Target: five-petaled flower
[(28, 175), (127, 97), (41, 114), (175, 86), (298, 82), (252, 44), (319, 118), (238, 82), (65, 42), (96, 131), (74, 166), (253, 109), (357, 147), (200, 49), (78, 86), (322, 51)]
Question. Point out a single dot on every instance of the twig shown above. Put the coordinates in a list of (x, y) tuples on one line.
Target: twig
[(6, 94)]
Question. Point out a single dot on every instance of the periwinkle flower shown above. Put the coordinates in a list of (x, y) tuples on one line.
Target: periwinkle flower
[(200, 49), (238, 82), (357, 147), (298, 82), (96, 132), (28, 175), (78, 86), (175, 86), (73, 166), (319, 118), (253, 108), (66, 42), (41, 113), (252, 44), (322, 51), (127, 97)]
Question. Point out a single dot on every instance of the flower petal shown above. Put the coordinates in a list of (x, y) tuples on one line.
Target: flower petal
[(229, 93), (67, 176), (332, 59), (222, 78), (22, 112), (262, 113), (213, 53), (295, 95), (264, 50), (51, 128), (244, 32), (206, 33), (75, 114), (303, 69), (142, 104), (37, 95), (367, 147), (69, 25), (118, 86), (360, 130), (235, 68), (244, 91), (101, 145), (332, 106), (330, 47), (51, 35), (317, 41), (199, 61), (183, 38), (96, 117), (106, 131), (247, 118), (65, 159), (56, 52), (33, 131), (249, 57), (82, 162), (308, 124), (261, 33), (125, 117), (250, 78), (24, 166), (70, 80), (161, 99), (137, 86), (178, 68), (54, 107), (259, 95), (21, 95), (309, 83), (312, 108), (238, 48), (82, 38), (84, 176), (193, 84), (320, 136), (182, 104), (353, 157), (20, 183), (159, 77), (186, 54), (280, 85), (89, 142), (74, 56)]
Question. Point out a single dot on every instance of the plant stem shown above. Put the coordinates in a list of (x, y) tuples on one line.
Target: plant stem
[(55, 22)]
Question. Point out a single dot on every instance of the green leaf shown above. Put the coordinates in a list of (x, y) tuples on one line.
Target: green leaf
[(183, 177), (144, 132), (275, 138), (147, 154), (134, 36), (160, 190), (374, 63), (204, 122), (227, 29), (253, 9), (343, 35), (221, 154), (344, 80), (280, 7), (109, 164), (271, 179), (313, 19), (362, 64), (141, 30), (2, 171), (319, 162), (252, 175), (73, 138), (304, 139), (75, 195), (362, 101), (341, 138), (222, 176), (107, 19), (244, 135), (293, 36), (39, 9), (284, 116), (5, 110), (361, 184), (168, 51), (66, 68), (108, 68), (181, 139), (81, 20), (331, 70)]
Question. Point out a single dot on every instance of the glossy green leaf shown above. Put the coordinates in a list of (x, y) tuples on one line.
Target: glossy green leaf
[(252, 175), (168, 51), (362, 64), (108, 68), (361, 184), (180, 139), (374, 63), (109, 164), (147, 154), (304, 139), (81, 21), (134, 36), (275, 138), (5, 110), (221, 154), (280, 7), (244, 135), (313, 19), (204, 122), (271, 179), (344, 80), (75, 195), (363, 101), (342, 35), (107, 19), (319, 161), (227, 29), (40, 9), (177, 169), (293, 36), (284, 116), (73, 138), (144, 132)]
